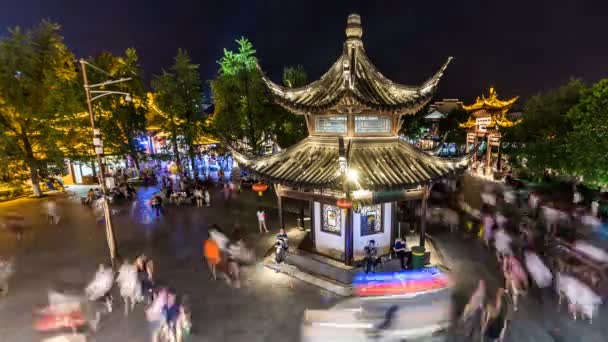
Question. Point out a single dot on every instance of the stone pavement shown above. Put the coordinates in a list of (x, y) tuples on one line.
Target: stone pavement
[(269, 307)]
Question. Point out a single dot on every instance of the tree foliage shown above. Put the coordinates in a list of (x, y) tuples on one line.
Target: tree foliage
[(243, 109), (539, 141), (39, 98), (179, 96), (123, 123), (450, 126), (587, 142)]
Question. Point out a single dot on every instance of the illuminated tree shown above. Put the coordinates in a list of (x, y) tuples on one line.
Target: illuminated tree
[(587, 142), (123, 123), (40, 97), (179, 96), (539, 142), (244, 110)]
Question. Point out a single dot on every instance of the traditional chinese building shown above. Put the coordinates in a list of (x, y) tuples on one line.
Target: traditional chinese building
[(353, 168), (487, 116)]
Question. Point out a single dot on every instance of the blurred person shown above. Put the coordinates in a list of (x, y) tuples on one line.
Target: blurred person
[(99, 288), (581, 298), (401, 251), (207, 197), (281, 246), (129, 285), (262, 220), (155, 314), (516, 279), (472, 315), (496, 320), (502, 243), (14, 223), (6, 272), (52, 210), (198, 196), (90, 197), (591, 251), (539, 272), (233, 248), (371, 256), (226, 191), (157, 204), (488, 227)]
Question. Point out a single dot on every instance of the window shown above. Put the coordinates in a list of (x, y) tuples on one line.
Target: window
[(372, 124), (331, 124), (331, 219), (371, 219)]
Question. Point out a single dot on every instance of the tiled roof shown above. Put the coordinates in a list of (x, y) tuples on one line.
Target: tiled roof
[(381, 163), (354, 78)]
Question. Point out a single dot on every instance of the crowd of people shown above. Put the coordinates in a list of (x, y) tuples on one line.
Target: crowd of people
[(534, 241)]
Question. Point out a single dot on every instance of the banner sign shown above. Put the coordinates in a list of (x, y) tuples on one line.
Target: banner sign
[(400, 283), (482, 123)]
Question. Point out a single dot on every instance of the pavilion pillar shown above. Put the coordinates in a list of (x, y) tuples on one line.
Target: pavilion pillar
[(423, 216), (302, 225), (311, 208), (348, 237), (499, 161), (280, 207), (488, 157), (467, 147)]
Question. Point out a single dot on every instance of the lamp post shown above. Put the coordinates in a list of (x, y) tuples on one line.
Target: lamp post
[(98, 145)]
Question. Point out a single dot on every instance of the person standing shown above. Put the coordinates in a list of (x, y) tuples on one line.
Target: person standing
[(53, 211), (198, 195), (262, 220), (157, 204), (401, 251), (371, 256), (207, 196)]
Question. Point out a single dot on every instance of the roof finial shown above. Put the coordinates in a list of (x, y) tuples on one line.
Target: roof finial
[(353, 27)]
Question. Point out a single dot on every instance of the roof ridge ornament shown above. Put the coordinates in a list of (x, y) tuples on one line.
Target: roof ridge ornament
[(353, 27)]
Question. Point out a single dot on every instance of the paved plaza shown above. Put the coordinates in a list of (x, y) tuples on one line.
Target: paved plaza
[(268, 307)]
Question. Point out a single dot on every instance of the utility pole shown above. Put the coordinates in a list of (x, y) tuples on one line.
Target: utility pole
[(98, 145)]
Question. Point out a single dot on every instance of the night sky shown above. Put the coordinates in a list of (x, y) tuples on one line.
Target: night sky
[(520, 47)]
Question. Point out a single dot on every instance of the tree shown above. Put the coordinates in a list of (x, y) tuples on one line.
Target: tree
[(39, 97), (241, 100), (414, 126), (539, 141), (290, 128), (450, 126), (587, 142), (179, 95), (122, 122)]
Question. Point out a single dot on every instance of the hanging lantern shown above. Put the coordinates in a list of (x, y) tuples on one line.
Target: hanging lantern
[(344, 203), (260, 188)]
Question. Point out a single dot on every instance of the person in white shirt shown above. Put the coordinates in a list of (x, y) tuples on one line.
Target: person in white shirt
[(53, 211), (262, 220), (198, 195)]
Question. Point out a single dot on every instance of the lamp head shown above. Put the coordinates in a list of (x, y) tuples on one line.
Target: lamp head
[(128, 98), (352, 175)]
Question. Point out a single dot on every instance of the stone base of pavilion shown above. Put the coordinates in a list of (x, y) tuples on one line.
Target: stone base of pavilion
[(305, 264)]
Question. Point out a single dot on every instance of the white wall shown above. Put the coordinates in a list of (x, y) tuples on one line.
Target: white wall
[(326, 243), (383, 239)]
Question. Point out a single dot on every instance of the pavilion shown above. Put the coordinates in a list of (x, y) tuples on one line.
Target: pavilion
[(487, 116), (353, 168)]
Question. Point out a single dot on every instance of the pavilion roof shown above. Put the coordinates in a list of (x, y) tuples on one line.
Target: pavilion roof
[(381, 163), (353, 80), (435, 115), (491, 104)]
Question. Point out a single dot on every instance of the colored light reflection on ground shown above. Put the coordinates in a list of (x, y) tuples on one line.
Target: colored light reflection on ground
[(400, 283)]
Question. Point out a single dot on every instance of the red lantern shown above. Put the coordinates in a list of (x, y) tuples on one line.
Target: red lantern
[(344, 203), (260, 188)]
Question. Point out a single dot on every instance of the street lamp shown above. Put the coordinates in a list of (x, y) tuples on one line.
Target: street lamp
[(92, 93)]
